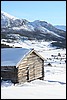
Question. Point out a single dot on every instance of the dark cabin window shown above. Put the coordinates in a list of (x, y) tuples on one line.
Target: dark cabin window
[(27, 73)]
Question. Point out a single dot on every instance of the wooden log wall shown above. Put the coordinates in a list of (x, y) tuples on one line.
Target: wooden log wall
[(9, 73), (30, 68), (22, 72)]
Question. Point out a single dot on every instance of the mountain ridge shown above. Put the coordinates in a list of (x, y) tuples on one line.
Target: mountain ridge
[(62, 27), (33, 30)]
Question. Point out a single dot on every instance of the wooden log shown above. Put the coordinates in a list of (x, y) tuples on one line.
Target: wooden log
[(23, 62), (38, 73), (34, 58), (37, 76)]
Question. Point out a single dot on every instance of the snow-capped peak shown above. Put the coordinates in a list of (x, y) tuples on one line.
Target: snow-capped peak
[(8, 15)]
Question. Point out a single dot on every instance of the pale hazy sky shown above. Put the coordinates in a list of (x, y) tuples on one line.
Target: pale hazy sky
[(53, 12)]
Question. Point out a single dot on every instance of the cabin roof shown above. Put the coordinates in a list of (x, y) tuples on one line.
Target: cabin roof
[(13, 56)]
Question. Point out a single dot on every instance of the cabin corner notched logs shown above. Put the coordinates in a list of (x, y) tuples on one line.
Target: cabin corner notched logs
[(29, 68)]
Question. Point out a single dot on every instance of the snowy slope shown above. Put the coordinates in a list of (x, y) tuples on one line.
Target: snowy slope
[(12, 23), (9, 21), (62, 27), (37, 30), (8, 15)]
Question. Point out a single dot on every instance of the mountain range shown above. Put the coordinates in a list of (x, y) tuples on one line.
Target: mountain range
[(39, 30), (62, 27)]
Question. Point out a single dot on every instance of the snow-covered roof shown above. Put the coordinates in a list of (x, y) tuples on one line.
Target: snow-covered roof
[(11, 56)]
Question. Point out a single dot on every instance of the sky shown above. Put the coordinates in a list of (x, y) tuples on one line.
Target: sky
[(54, 12)]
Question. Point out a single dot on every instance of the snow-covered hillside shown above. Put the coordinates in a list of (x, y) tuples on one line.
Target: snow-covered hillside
[(62, 27), (11, 27), (54, 84), (12, 23), (9, 21)]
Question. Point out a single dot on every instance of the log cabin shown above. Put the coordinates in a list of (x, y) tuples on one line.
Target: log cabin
[(21, 65)]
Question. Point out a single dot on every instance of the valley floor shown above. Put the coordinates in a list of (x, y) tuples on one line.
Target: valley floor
[(52, 87)]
